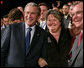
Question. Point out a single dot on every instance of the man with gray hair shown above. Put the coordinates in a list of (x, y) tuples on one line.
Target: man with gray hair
[(76, 53), (22, 44)]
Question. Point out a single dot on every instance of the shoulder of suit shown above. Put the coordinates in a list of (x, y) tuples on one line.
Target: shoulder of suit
[(41, 31), (39, 28), (16, 24)]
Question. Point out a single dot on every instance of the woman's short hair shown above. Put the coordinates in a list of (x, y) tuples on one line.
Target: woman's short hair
[(57, 14)]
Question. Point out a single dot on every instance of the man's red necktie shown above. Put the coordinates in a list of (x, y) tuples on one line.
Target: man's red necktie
[(80, 38)]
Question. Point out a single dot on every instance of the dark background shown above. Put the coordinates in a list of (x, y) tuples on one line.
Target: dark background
[(9, 4)]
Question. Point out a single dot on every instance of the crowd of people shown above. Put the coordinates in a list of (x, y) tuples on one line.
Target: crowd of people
[(36, 36)]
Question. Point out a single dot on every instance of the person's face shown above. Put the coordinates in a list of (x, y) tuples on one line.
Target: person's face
[(77, 16), (70, 10), (31, 15), (43, 12), (65, 10), (6, 21), (53, 23), (75, 31), (1, 22), (69, 3)]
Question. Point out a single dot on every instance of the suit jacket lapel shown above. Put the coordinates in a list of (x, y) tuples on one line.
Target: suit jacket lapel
[(22, 36), (74, 45), (76, 50)]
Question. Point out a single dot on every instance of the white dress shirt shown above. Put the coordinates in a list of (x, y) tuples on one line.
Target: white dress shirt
[(43, 24), (32, 31)]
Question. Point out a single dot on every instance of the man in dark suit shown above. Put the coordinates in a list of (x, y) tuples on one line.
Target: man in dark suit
[(13, 45), (42, 19), (76, 59), (66, 19), (4, 23)]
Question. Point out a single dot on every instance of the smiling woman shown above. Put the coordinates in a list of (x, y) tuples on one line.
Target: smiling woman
[(54, 23), (59, 41)]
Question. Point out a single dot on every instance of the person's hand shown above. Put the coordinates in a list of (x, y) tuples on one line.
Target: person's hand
[(42, 62)]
